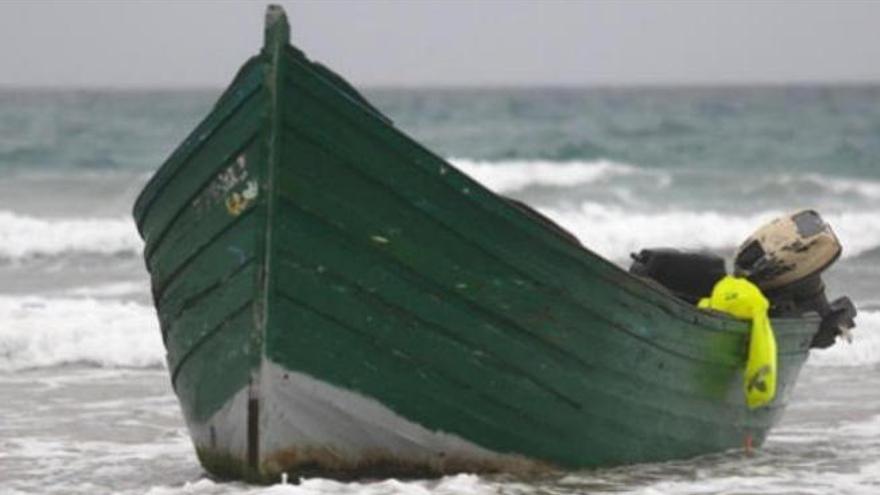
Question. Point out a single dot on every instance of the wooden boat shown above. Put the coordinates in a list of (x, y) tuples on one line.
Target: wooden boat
[(336, 300)]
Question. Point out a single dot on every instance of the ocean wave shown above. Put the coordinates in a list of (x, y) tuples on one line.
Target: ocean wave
[(866, 188), (38, 332), (864, 349), (870, 254), (110, 290), (809, 183), (615, 232), (859, 232), (514, 175), (509, 176), (23, 236)]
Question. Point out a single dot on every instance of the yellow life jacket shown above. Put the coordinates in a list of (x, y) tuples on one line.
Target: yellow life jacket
[(743, 299)]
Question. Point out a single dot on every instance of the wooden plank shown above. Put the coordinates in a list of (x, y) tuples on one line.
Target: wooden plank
[(505, 278), (224, 358), (198, 321)]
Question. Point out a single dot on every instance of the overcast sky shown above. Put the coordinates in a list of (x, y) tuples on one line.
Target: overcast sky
[(201, 44)]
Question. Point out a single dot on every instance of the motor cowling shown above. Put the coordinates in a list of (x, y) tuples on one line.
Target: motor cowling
[(787, 250), (786, 258)]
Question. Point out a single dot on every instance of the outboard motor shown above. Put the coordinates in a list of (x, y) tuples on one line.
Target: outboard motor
[(785, 258)]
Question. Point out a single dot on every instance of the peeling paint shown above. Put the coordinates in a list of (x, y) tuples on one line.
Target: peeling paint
[(237, 202), (224, 182)]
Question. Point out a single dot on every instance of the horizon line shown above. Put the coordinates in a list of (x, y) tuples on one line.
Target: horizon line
[(659, 85)]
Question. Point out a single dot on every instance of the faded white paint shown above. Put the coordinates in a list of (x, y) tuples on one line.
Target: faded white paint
[(299, 410), (226, 431), (301, 413)]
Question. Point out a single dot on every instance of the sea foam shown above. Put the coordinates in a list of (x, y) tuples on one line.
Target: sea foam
[(23, 236), (461, 484), (864, 349), (37, 332), (615, 232), (866, 188), (505, 176), (509, 176)]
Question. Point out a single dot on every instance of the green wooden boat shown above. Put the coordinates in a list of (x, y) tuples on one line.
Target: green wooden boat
[(336, 300)]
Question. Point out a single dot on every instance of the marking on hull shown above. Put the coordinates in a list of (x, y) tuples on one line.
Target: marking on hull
[(253, 432)]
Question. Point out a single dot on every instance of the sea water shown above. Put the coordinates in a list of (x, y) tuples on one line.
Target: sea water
[(85, 401)]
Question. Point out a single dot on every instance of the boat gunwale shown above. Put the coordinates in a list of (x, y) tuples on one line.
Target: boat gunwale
[(180, 156)]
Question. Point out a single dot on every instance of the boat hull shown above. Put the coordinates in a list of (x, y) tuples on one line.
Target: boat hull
[(336, 300), (309, 427)]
